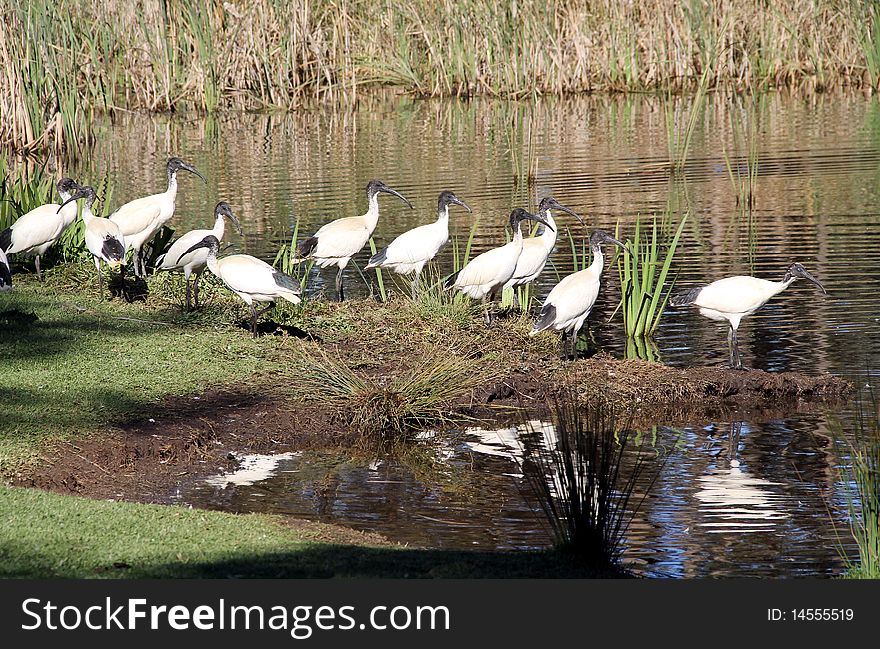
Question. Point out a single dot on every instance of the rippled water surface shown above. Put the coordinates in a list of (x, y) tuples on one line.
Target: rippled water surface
[(753, 497)]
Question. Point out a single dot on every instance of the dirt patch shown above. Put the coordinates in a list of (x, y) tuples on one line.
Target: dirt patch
[(149, 460)]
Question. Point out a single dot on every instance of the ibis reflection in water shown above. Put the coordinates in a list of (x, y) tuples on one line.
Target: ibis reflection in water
[(251, 279), (140, 219), (177, 257), (571, 300), (485, 275), (103, 237), (35, 232), (410, 251), (733, 298), (335, 243)]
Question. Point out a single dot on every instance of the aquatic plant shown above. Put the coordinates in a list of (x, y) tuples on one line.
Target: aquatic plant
[(390, 409), (585, 481), (643, 278)]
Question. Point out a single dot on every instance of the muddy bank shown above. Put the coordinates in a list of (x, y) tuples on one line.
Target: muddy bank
[(188, 438)]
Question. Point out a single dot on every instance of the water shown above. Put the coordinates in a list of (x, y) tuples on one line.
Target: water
[(760, 502)]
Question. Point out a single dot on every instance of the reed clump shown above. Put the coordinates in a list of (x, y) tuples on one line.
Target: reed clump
[(63, 60)]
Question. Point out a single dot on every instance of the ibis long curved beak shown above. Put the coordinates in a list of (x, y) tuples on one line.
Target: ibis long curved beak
[(807, 276), (79, 194), (563, 208), (235, 223), (458, 201), (193, 170), (535, 217), (388, 190)]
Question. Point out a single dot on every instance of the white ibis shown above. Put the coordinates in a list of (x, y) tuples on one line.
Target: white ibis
[(536, 250), (410, 251), (103, 238), (177, 259), (252, 279), (571, 300), (486, 274), (33, 233), (5, 272), (139, 219), (335, 243), (733, 298)]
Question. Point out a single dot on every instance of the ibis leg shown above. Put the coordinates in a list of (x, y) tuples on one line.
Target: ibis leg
[(733, 345), (196, 287), (340, 294), (515, 298), (100, 280), (188, 301), (563, 346), (37, 262), (574, 346), (253, 320)]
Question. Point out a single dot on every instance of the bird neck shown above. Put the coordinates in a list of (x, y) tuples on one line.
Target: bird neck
[(87, 215), (219, 228), (598, 258), (372, 215), (784, 284), (213, 266), (548, 236), (443, 214), (172, 185), (518, 235)]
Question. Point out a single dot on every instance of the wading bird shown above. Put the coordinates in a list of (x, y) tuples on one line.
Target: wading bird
[(5, 272), (410, 251), (536, 250), (177, 259), (33, 233), (335, 243), (251, 279), (733, 298), (138, 220), (571, 300), (486, 274), (103, 237)]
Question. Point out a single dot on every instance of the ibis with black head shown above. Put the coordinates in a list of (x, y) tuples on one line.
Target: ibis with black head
[(176, 258), (571, 300), (335, 243), (733, 298), (140, 219)]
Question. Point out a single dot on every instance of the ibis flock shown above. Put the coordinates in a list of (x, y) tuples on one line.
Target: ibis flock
[(516, 263)]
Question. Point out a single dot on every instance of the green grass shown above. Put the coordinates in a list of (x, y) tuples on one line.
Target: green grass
[(46, 535), (71, 364)]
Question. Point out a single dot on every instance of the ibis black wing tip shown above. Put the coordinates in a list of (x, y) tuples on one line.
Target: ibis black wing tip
[(545, 318), (378, 259), (6, 239), (307, 246), (113, 249), (5, 277), (686, 298), (285, 281), (450, 281)]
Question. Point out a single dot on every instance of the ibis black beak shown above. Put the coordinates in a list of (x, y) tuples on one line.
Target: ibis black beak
[(235, 223), (535, 217), (807, 276), (193, 170), (79, 194), (388, 190), (563, 208), (458, 201)]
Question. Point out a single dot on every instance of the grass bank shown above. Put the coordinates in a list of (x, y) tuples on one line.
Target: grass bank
[(64, 60)]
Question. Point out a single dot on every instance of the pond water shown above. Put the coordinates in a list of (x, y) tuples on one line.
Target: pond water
[(761, 501)]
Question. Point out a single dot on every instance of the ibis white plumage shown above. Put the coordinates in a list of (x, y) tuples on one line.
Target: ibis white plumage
[(194, 262), (5, 272), (536, 250), (138, 220), (485, 275), (103, 238), (571, 300), (410, 251), (734, 298), (252, 279), (34, 232), (335, 243)]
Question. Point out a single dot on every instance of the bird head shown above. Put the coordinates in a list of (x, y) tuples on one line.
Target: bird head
[(600, 236), (448, 198), (376, 186), (83, 191), (176, 164), (67, 186), (222, 210), (519, 215), (550, 203), (796, 270), (210, 242)]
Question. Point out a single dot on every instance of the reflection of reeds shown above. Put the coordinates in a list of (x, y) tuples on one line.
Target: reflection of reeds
[(584, 482), (60, 61)]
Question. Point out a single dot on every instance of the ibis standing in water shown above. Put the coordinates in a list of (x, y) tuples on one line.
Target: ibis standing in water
[(571, 300), (103, 237), (5, 272), (410, 251), (733, 298), (251, 279), (33, 233), (486, 274), (195, 262), (335, 243), (536, 250), (140, 219)]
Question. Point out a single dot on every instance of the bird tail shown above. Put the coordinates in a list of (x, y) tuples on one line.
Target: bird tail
[(6, 239), (160, 260), (450, 281), (286, 282), (305, 248), (545, 319), (378, 259), (686, 298)]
